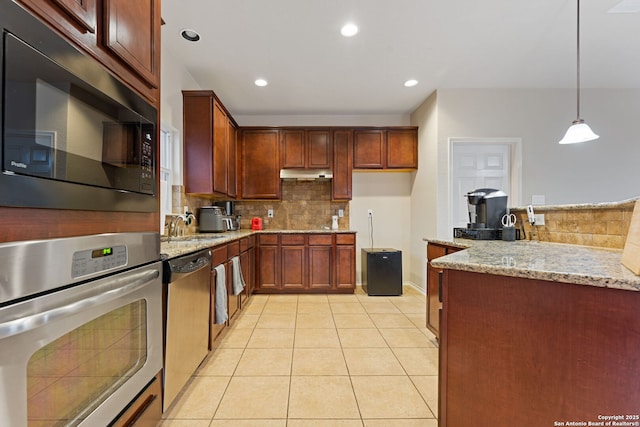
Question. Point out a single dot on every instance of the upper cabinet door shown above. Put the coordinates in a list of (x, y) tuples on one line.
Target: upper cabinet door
[(132, 32), (260, 164), (220, 149), (319, 149), (369, 149), (402, 149), (292, 149), (82, 11)]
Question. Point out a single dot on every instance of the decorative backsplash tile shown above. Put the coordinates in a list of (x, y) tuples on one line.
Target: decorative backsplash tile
[(605, 227), (305, 205)]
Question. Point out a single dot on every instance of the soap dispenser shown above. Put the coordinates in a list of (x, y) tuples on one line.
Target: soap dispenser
[(334, 223)]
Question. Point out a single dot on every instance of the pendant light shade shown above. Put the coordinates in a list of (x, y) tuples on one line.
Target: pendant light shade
[(579, 131)]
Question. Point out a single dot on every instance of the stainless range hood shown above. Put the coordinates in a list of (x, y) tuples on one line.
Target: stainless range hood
[(306, 174)]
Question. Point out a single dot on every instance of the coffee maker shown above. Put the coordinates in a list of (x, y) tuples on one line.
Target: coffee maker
[(486, 208)]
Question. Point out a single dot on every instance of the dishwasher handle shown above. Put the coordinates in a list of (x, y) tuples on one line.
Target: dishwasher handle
[(184, 266)]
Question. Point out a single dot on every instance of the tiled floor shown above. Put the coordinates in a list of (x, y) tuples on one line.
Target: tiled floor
[(318, 360)]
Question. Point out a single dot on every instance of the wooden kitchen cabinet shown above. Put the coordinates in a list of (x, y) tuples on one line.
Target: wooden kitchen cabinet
[(305, 149), (306, 262), (248, 263), (209, 145), (260, 163), (341, 183), (434, 285), (123, 35), (345, 265), (388, 148)]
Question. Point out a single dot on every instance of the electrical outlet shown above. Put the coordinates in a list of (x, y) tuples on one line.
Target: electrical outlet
[(370, 213), (539, 219), (269, 213), (340, 213)]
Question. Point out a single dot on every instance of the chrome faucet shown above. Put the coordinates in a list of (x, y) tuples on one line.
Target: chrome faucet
[(174, 228)]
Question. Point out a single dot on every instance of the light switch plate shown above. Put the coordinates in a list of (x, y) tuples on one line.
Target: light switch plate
[(539, 219)]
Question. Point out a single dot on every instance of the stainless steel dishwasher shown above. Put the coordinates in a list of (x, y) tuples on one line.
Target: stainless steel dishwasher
[(187, 319)]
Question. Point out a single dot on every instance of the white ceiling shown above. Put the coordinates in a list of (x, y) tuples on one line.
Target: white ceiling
[(296, 45)]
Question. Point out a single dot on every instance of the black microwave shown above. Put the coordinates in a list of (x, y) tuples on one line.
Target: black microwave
[(72, 135)]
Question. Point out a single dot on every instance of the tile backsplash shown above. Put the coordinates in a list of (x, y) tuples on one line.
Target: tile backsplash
[(605, 227), (305, 205)]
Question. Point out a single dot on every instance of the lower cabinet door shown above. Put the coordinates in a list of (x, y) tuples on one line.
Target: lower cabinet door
[(293, 267), (345, 267), (269, 257), (320, 267)]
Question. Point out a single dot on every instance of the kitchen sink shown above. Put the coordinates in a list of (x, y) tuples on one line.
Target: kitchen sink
[(193, 239)]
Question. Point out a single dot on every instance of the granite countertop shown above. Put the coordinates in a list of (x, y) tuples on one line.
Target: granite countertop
[(556, 262), (183, 245), (571, 207)]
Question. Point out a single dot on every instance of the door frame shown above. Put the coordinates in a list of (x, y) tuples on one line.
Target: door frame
[(515, 168)]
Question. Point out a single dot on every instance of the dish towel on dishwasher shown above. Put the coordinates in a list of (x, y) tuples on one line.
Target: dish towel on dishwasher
[(221, 295), (238, 280)]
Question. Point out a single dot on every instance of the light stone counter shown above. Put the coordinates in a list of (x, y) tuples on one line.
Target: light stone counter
[(539, 260), (183, 245)]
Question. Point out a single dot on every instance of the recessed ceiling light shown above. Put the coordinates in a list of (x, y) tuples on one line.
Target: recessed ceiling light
[(261, 82), (348, 30), (190, 35), (411, 83)]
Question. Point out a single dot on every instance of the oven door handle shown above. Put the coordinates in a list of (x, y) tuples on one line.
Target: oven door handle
[(126, 286)]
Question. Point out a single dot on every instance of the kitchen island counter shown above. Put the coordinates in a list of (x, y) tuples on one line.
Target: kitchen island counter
[(553, 262)]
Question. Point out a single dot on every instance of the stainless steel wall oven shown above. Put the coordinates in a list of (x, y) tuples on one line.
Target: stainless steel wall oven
[(80, 327), (73, 136)]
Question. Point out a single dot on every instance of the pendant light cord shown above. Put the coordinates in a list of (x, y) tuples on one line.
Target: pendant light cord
[(578, 61)]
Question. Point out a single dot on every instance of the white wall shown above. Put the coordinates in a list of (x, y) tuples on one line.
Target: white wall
[(599, 171)]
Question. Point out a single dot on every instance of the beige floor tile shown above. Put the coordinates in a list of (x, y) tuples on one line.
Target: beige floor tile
[(272, 338), (312, 307), (255, 305), (347, 307), (318, 361), (342, 298), (391, 320), (248, 423), (199, 399), (406, 337), (255, 398), (221, 361), (322, 397), (428, 388), (316, 338), (364, 297), (265, 361), (184, 423), (380, 307), (283, 298), (361, 338), (410, 290), (318, 299), (280, 307), (314, 320), (418, 361), (237, 338), (401, 398), (412, 306), (278, 321), (418, 422), (246, 321), (372, 361), (324, 423), (345, 321)]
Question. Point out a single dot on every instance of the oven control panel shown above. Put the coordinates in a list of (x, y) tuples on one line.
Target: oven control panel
[(97, 260)]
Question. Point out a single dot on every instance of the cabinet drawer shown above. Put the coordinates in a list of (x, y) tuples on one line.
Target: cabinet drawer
[(268, 239), (219, 255), (320, 240), (244, 244), (292, 239), (233, 249), (345, 239)]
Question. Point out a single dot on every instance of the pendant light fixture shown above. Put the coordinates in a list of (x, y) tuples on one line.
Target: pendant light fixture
[(579, 131)]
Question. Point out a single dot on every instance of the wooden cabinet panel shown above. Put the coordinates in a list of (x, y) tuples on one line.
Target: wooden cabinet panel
[(433, 285), (320, 267), (260, 164), (342, 165), (402, 149), (82, 11), (268, 239), (292, 239), (293, 267), (345, 267), (320, 240), (292, 149), (220, 149), (345, 239), (319, 149), (232, 161), (268, 267), (130, 29), (369, 149)]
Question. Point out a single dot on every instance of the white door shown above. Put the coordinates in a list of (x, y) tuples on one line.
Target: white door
[(477, 165)]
